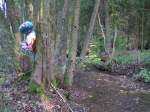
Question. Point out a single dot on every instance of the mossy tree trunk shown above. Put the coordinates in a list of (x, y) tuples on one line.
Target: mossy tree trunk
[(72, 64)]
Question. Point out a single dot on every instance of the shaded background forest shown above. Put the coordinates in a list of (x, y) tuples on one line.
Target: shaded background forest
[(73, 34)]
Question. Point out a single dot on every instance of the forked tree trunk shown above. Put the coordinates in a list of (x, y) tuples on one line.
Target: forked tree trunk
[(90, 30)]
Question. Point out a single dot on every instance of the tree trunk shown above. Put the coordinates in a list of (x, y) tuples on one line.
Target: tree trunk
[(142, 28), (108, 30), (102, 31), (71, 68), (90, 30), (44, 70), (61, 59), (114, 42)]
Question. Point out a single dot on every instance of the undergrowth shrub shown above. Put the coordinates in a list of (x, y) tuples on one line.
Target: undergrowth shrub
[(145, 55), (2, 80), (35, 88), (134, 57), (26, 75), (143, 74)]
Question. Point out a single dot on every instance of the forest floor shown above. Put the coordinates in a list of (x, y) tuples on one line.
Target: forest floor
[(102, 92), (16, 97), (93, 91)]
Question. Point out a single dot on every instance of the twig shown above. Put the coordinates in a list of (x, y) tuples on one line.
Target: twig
[(64, 100)]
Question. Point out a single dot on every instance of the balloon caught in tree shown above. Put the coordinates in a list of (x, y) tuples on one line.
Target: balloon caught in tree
[(28, 46)]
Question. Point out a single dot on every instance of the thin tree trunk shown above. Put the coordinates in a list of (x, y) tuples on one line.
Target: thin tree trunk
[(142, 36), (74, 43), (108, 30), (114, 43), (102, 30), (90, 30)]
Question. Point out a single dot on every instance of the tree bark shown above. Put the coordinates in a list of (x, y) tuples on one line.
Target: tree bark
[(102, 31), (44, 69), (114, 42), (108, 30), (62, 44), (71, 68)]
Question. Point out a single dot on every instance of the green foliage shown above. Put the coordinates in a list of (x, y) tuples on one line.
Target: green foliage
[(96, 45), (85, 16), (26, 76), (66, 79), (86, 10), (121, 43), (5, 109), (35, 88), (143, 74), (2, 80), (55, 83), (93, 59), (59, 4), (114, 11), (145, 56), (2, 52), (6, 49), (134, 56), (125, 59)]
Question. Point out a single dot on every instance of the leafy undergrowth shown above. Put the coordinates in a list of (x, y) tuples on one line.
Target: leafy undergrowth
[(134, 57), (22, 95), (143, 74), (135, 64)]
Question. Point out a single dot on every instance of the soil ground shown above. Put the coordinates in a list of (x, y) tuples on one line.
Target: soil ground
[(101, 92), (92, 91)]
